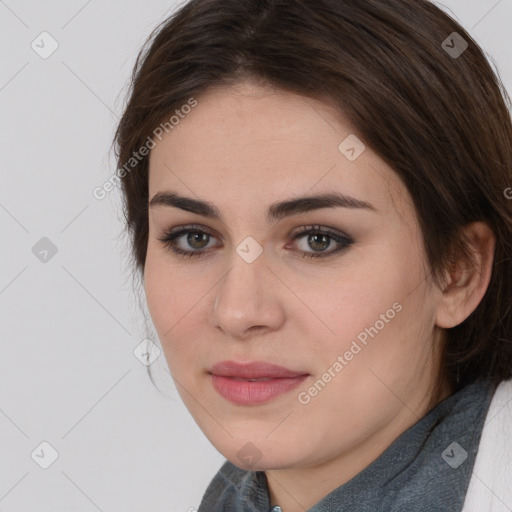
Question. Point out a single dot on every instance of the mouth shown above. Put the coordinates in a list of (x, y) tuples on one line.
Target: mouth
[(253, 383)]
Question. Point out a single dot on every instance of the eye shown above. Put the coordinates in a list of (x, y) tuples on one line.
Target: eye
[(192, 241), (195, 238), (320, 239)]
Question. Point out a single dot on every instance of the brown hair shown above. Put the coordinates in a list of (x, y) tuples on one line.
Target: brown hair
[(440, 120)]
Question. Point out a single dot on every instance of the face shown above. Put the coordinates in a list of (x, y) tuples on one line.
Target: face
[(329, 300)]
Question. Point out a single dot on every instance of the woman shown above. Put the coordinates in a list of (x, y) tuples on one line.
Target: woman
[(316, 195)]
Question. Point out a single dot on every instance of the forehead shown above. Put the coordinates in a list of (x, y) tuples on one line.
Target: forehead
[(256, 142)]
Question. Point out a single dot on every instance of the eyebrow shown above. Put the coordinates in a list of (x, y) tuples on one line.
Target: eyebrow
[(275, 212)]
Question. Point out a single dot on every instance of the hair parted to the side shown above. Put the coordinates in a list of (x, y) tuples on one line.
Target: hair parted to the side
[(442, 123)]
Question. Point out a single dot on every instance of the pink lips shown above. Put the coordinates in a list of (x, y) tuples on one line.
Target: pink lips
[(236, 382)]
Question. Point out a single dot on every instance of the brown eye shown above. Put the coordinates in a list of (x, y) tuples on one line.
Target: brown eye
[(319, 242), (186, 241), (197, 240), (190, 241), (319, 239)]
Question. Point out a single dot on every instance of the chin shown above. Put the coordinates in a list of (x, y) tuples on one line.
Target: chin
[(255, 455)]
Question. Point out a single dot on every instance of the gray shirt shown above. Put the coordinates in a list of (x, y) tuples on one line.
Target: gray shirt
[(426, 469)]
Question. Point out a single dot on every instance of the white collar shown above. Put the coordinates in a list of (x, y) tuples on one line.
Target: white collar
[(490, 487)]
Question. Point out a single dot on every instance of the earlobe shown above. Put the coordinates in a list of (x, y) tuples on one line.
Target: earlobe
[(466, 283)]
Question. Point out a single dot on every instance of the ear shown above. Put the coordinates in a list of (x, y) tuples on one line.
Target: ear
[(465, 285)]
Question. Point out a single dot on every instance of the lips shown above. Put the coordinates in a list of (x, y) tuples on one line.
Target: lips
[(255, 370), (253, 383)]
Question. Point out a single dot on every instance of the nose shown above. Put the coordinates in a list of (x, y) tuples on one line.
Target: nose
[(248, 300)]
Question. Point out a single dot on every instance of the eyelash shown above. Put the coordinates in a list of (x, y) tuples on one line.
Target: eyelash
[(169, 237)]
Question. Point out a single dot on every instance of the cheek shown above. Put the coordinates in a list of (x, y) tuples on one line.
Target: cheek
[(163, 296), (168, 290), (376, 310), (158, 291), (175, 300), (355, 301)]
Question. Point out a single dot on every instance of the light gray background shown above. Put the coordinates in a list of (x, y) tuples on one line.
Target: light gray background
[(69, 325)]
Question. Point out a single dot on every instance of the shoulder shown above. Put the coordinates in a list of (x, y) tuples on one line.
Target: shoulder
[(490, 487)]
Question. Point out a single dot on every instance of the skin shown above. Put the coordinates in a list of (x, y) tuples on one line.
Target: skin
[(242, 149)]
